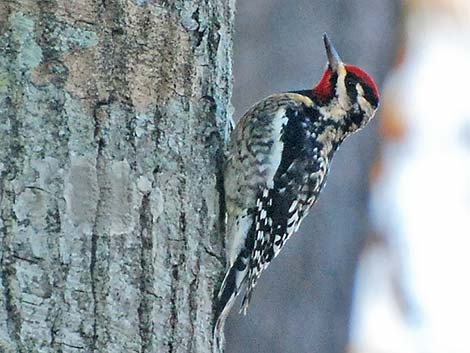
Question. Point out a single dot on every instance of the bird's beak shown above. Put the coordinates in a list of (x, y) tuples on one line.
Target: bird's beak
[(334, 61)]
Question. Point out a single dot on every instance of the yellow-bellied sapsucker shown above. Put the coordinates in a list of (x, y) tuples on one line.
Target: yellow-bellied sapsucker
[(278, 161)]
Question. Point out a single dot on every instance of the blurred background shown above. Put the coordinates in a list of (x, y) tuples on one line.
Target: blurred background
[(382, 263)]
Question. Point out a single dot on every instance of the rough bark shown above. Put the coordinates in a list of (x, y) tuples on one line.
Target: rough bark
[(114, 115)]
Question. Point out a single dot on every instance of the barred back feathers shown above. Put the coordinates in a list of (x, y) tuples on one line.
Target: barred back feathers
[(279, 158)]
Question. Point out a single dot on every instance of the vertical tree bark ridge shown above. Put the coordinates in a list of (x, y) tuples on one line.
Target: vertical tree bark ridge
[(114, 116)]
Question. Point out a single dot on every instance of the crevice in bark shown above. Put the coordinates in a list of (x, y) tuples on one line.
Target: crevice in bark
[(94, 239), (193, 286), (222, 210), (11, 169), (147, 271), (221, 189), (8, 274), (182, 215), (173, 308), (115, 51), (213, 40), (22, 258), (58, 278), (94, 277), (220, 258), (182, 222), (55, 327), (49, 44), (16, 151), (198, 34), (72, 346)]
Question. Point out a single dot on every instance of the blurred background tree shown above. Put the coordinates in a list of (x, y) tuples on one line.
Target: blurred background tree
[(412, 284), (303, 302)]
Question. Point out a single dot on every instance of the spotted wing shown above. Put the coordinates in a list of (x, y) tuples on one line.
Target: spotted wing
[(281, 208)]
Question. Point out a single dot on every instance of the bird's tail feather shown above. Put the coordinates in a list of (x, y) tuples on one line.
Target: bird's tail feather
[(227, 294)]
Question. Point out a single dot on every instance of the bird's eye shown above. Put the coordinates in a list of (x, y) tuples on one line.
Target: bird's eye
[(349, 83)]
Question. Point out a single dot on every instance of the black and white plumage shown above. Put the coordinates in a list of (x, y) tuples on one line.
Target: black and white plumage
[(279, 158)]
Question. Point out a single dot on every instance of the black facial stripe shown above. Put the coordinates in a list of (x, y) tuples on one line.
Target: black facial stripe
[(357, 118), (370, 96), (351, 81), (333, 79)]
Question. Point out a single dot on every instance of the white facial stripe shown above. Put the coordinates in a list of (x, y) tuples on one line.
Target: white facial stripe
[(365, 106), (360, 90), (341, 91)]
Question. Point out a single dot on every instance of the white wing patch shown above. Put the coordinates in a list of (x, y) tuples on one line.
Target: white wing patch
[(241, 226), (278, 123)]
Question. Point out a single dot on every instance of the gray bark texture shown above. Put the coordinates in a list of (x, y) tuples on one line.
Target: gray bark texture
[(113, 119)]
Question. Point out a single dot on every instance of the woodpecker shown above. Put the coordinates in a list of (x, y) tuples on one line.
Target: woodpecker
[(279, 157)]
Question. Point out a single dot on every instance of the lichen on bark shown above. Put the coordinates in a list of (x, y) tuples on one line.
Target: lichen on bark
[(114, 118)]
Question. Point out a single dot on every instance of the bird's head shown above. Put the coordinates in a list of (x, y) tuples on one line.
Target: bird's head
[(348, 89)]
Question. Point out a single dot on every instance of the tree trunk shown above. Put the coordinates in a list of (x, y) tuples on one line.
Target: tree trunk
[(114, 116)]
